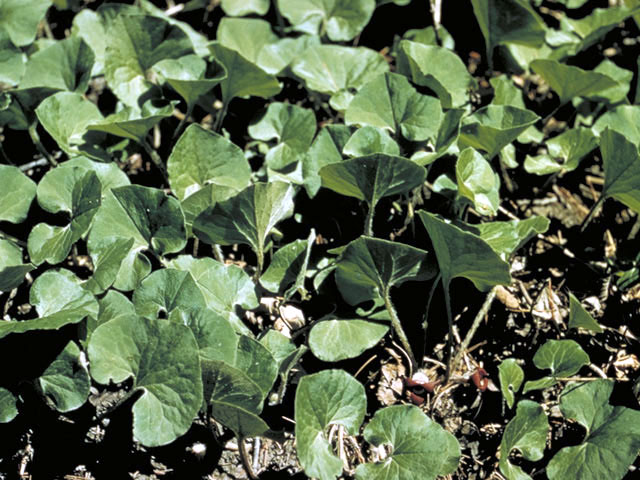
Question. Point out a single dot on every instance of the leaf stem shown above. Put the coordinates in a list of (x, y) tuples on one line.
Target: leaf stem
[(368, 223), (11, 238), (220, 117), (397, 327), (425, 317), (35, 138), (592, 213), (217, 252), (447, 302), (155, 158), (178, 129), (244, 456), (474, 327)]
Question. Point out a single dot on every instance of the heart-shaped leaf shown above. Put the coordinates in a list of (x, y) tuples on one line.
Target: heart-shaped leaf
[(478, 182), (369, 267), (153, 219), (564, 152), (507, 237), (20, 19), (612, 438), (59, 300), (621, 169), (437, 68), (493, 127), (511, 377), (448, 134), (338, 71), (167, 290), (66, 382), (8, 408), (338, 339), (419, 446), (12, 270), (247, 217), (371, 178), (326, 149), (595, 25), (624, 119), (190, 76), (134, 44), (526, 432), (508, 21), (341, 20), (287, 270), (390, 102), (370, 140), (224, 287), (65, 65), (161, 358), (580, 318), (330, 397), (12, 61), (291, 126), (201, 157), (247, 36), (66, 117), (563, 357), (244, 78), (72, 190), (16, 195), (569, 81)]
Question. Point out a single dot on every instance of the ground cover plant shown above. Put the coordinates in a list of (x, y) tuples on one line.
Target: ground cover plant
[(370, 239)]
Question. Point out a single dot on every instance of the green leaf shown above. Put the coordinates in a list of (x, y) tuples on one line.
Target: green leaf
[(370, 140), (206, 197), (16, 195), (420, 448), (341, 20), (12, 270), (107, 263), (66, 117), (371, 178), (620, 75), (478, 182), (389, 101), (12, 61), (326, 149), (447, 135), (66, 382), (508, 21), (247, 36), (621, 169), (612, 438), (135, 123), (427, 35), (580, 318), (111, 306), (247, 217), (595, 25), (239, 8), (255, 361), (190, 76), (59, 300), (369, 267), (506, 238), (109, 174), (65, 65), (463, 254), (564, 152), (338, 71), (287, 270), (20, 19), (526, 432), (88, 25), (291, 126), (330, 397), (201, 157), (244, 78), (162, 359), (338, 339), (275, 57), (511, 377), (437, 68), (493, 127), (505, 92), (569, 81), (153, 219), (134, 44), (624, 119), (563, 357), (167, 290), (72, 190), (8, 408), (224, 287)]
